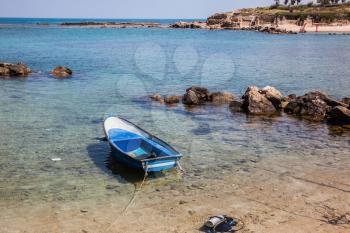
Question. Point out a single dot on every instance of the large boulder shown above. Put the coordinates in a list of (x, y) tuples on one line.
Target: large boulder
[(312, 106), (221, 97), (8, 69), (195, 96), (256, 103), (62, 72), (339, 115), (273, 95)]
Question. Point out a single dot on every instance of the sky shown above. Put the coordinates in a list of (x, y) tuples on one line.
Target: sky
[(141, 9)]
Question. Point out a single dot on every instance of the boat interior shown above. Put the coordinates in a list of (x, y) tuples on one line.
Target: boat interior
[(136, 146)]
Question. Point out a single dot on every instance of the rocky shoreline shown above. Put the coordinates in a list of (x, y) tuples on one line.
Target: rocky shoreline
[(112, 24), (314, 106), (10, 70)]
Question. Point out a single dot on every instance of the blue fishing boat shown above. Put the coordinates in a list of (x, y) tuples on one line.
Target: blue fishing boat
[(137, 148)]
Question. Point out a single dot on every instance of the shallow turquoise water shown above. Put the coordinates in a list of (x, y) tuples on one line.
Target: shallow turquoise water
[(42, 118)]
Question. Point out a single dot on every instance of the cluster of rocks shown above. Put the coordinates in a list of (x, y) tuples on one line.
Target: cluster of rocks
[(195, 96), (8, 69), (112, 24), (318, 106), (314, 106), (20, 69), (193, 25), (270, 30)]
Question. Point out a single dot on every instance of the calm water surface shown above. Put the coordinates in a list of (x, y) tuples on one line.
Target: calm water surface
[(42, 118)]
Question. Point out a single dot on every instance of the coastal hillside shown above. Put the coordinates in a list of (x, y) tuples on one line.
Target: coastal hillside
[(281, 19)]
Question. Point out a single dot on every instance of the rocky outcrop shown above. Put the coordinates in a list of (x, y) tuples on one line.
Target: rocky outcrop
[(9, 69), (112, 24), (220, 18), (270, 30), (196, 96), (339, 115), (221, 97), (193, 25), (62, 72), (312, 106), (255, 102)]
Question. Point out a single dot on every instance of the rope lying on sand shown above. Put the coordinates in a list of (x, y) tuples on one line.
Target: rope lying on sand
[(136, 191)]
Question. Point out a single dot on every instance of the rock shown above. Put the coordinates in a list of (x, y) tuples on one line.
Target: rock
[(311, 106), (273, 95), (62, 72), (346, 100), (173, 99), (190, 98), (221, 97), (287, 99), (8, 69), (256, 103), (157, 97), (181, 202), (193, 25), (236, 106), (339, 115), (196, 95)]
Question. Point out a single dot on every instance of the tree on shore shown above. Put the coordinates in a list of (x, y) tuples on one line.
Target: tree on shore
[(321, 2)]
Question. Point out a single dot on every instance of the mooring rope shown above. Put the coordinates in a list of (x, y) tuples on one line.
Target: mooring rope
[(136, 191)]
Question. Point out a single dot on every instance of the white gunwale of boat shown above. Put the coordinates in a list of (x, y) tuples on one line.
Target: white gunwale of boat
[(117, 123)]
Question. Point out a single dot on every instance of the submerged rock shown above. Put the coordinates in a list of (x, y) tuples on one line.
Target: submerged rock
[(339, 115), (173, 99), (62, 72), (256, 103), (221, 97), (195, 96), (157, 97), (9, 69)]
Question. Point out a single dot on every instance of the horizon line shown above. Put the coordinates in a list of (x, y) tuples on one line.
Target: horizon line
[(16, 17)]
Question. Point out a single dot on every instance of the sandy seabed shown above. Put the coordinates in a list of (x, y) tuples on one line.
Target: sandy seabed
[(272, 195)]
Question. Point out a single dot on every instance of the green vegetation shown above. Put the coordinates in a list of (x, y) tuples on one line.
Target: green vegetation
[(325, 11)]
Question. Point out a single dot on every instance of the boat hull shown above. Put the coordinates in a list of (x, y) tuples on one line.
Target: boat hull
[(138, 149), (151, 165)]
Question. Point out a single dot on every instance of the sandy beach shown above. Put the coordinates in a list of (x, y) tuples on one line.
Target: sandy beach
[(317, 28)]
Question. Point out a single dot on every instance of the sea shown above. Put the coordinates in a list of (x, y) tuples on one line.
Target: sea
[(51, 137)]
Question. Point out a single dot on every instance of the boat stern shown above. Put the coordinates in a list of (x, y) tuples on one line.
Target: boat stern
[(157, 165)]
